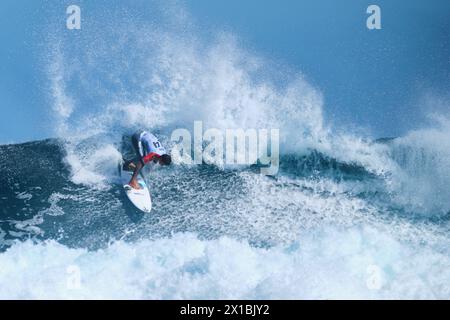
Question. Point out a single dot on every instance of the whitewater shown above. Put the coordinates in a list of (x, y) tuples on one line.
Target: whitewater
[(346, 217)]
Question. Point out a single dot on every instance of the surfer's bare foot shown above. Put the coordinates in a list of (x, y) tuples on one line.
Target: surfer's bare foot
[(134, 185)]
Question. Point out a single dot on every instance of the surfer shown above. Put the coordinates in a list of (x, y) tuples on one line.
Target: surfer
[(148, 148)]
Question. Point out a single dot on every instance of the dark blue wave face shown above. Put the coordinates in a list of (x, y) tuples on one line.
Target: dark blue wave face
[(39, 200), (30, 173)]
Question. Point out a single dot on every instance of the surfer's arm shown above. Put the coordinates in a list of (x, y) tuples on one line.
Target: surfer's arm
[(149, 157)]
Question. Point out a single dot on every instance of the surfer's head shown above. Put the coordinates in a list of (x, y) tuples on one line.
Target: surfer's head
[(165, 160)]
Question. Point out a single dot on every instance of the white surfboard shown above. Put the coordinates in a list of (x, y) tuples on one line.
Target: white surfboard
[(140, 198)]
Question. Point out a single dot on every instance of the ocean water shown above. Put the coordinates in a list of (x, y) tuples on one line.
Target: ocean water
[(346, 216)]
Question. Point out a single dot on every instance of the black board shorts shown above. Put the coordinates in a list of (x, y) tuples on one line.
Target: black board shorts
[(135, 139)]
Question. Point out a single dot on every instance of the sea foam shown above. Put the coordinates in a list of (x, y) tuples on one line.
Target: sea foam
[(331, 264)]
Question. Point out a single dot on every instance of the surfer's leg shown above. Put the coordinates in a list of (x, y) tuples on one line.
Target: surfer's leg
[(133, 182)]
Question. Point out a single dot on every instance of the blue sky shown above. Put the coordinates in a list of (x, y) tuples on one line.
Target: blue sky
[(374, 79)]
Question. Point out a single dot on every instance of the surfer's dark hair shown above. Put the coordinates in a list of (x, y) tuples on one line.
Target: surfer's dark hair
[(166, 159)]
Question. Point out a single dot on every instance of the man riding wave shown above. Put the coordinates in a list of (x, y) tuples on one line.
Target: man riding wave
[(148, 148)]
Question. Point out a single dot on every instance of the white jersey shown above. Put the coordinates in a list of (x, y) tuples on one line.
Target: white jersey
[(149, 144)]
